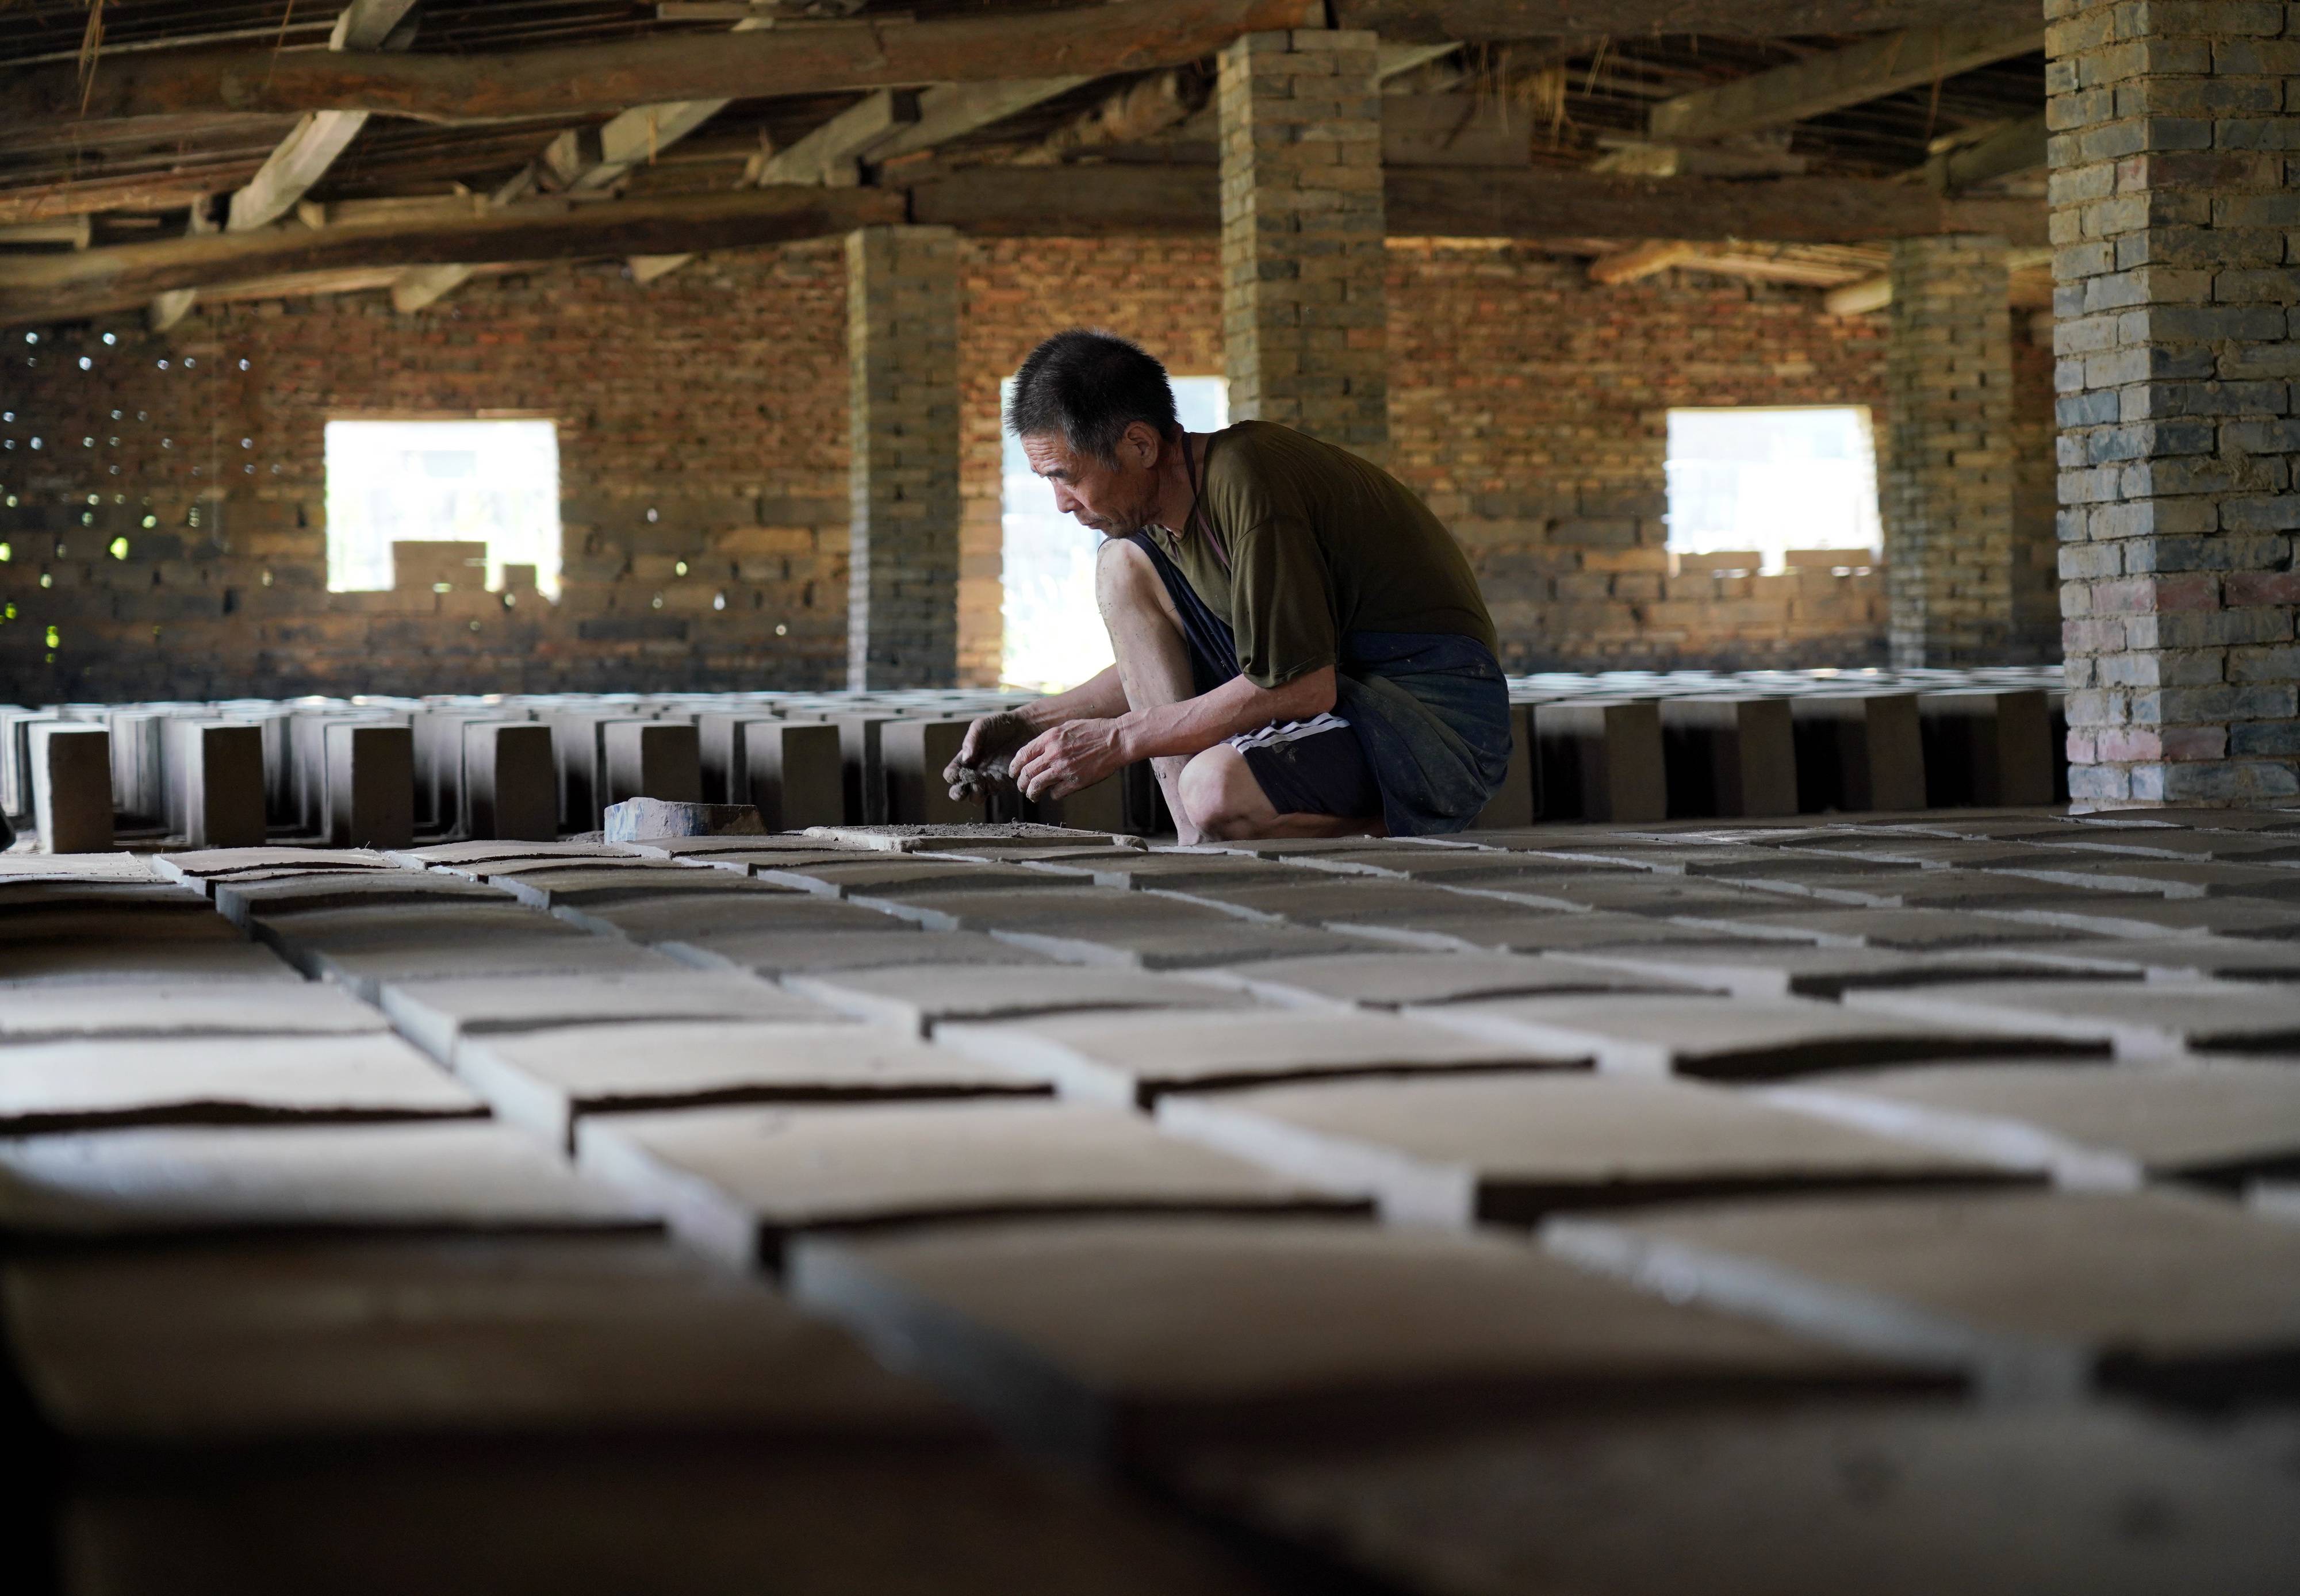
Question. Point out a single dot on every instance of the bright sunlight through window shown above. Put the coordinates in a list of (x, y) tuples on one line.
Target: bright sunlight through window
[(492, 482), (1772, 480), (1054, 637)]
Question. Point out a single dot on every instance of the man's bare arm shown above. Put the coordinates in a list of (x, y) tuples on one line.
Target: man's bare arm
[(992, 736), (1078, 753)]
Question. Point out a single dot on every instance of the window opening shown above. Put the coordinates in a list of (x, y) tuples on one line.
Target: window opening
[(495, 482), (1769, 480), (1054, 633)]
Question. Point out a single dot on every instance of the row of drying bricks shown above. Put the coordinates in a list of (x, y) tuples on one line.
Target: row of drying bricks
[(1449, 1090), (376, 777)]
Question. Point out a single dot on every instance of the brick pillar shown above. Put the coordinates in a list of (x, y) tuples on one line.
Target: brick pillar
[(2174, 150), (1304, 322), (902, 358), (1946, 497)]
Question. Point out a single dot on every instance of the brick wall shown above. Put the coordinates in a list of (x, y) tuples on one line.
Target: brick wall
[(2176, 193), (1947, 491), (702, 422), (902, 351), (1528, 407), (1526, 404)]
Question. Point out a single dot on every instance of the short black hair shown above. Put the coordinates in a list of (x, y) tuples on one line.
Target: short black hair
[(1089, 386)]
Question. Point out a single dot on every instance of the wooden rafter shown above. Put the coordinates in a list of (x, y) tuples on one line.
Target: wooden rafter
[(881, 127), (1643, 261), (588, 79), (304, 155), (581, 158), (60, 286), (1480, 21), (2015, 148), (1868, 71)]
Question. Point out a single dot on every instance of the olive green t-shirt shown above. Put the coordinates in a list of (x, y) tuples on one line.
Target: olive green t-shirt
[(1321, 544)]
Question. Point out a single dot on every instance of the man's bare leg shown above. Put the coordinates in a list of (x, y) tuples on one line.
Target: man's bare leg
[(1224, 802), (1154, 657)]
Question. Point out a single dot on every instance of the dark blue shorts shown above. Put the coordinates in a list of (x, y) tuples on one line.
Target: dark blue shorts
[(1419, 734), (1314, 766)]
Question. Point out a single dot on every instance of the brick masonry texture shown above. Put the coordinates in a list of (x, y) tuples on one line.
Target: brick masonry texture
[(2176, 219), (1526, 404), (1302, 235), (902, 408), (701, 423), (1946, 496)]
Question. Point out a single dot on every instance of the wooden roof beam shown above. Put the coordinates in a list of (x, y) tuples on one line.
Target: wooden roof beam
[(304, 155), (881, 127), (2016, 147), (1484, 22), (60, 287), (1042, 202), (580, 158), (1645, 259), (1868, 71), (577, 80)]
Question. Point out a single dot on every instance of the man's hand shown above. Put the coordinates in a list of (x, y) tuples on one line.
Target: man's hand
[(1070, 757), (981, 765)]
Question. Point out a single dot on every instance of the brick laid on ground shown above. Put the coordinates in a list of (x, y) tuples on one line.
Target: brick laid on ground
[(739, 1183), (2185, 1298), (1778, 970), (364, 949), (439, 1015), (1888, 1500), (1909, 930), (1136, 1058), (2139, 1020), (533, 1416), (547, 1080), (2222, 1122), (225, 956), (207, 1008), (2178, 958), (1736, 1038), (923, 999), (452, 1177), (1123, 1337), (1511, 1149), (69, 1085), (791, 952), (1391, 980)]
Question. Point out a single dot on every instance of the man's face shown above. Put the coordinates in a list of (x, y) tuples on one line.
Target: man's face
[(1116, 500)]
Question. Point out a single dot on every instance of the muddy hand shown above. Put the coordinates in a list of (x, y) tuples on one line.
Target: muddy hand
[(982, 766)]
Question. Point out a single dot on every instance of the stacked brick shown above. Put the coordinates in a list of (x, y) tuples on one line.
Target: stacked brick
[(1945, 489), (901, 348), (1304, 322), (2174, 211)]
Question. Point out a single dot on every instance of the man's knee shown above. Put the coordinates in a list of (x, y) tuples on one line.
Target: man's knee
[(1221, 796), (1124, 580)]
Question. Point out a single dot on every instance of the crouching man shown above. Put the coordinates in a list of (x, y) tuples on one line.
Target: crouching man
[(1302, 649)]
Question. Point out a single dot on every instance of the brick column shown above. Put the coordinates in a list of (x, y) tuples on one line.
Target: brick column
[(1946, 496), (902, 355), (2174, 150), (1304, 322)]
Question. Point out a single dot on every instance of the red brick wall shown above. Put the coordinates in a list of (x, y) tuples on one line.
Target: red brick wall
[(1529, 406), (1526, 403), (701, 421)]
